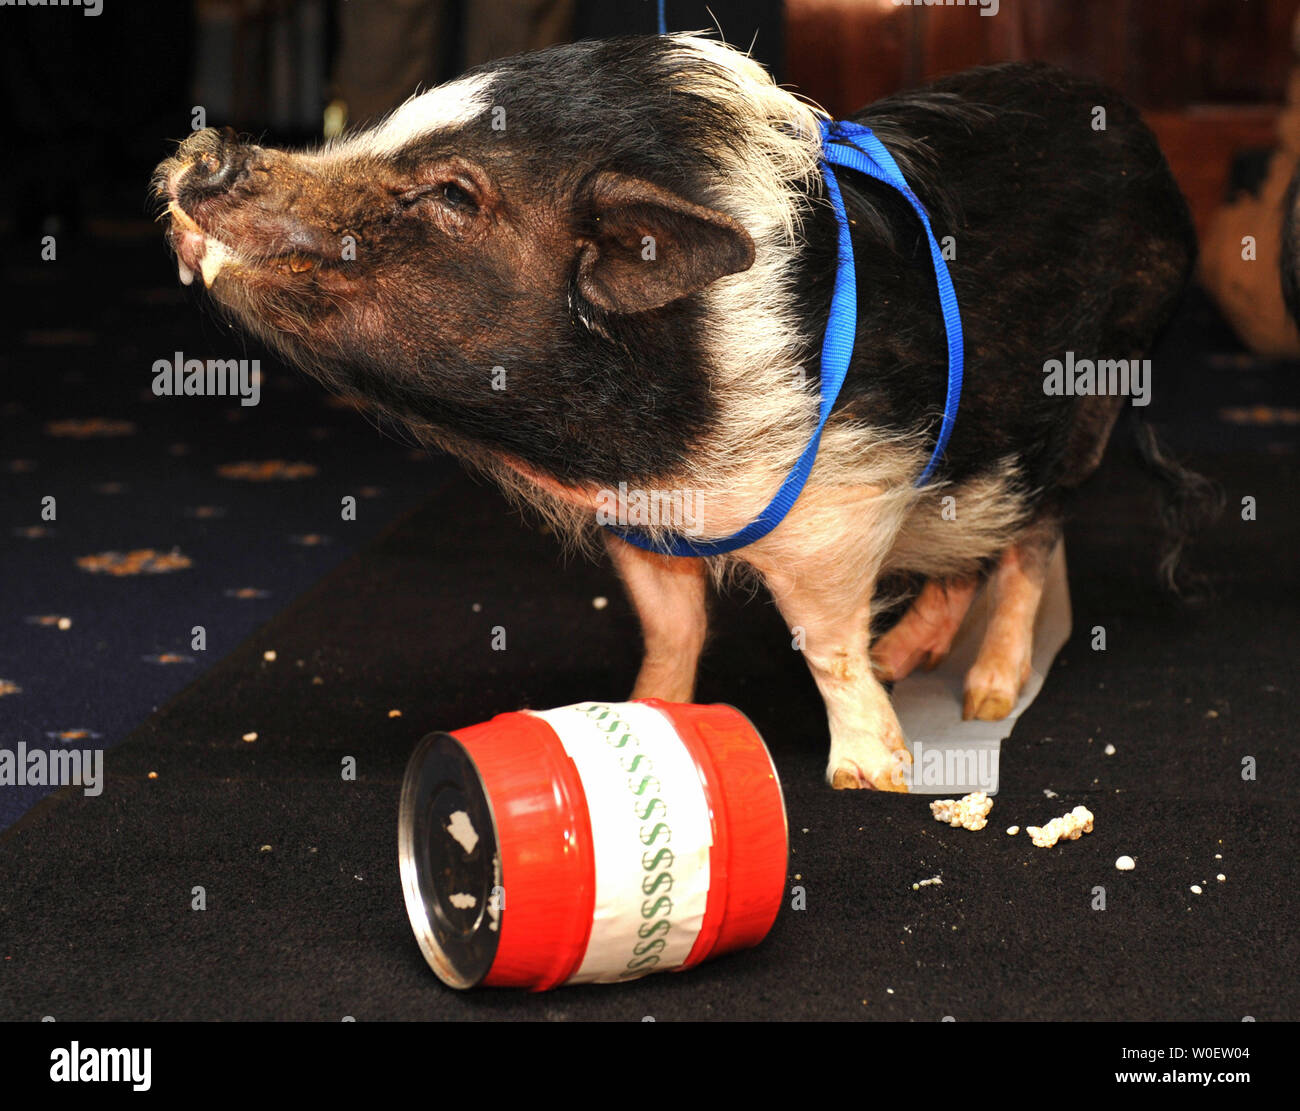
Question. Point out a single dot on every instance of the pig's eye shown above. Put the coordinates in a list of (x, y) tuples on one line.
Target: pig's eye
[(457, 197)]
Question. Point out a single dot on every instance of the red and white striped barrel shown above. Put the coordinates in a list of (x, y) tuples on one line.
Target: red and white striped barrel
[(594, 843)]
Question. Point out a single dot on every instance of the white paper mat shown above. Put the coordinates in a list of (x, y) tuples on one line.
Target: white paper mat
[(954, 757)]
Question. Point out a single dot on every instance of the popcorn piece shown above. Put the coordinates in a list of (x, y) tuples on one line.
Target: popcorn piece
[(1069, 826), (970, 812), (1126, 864)]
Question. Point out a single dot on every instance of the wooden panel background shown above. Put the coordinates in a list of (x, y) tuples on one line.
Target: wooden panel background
[(1210, 75)]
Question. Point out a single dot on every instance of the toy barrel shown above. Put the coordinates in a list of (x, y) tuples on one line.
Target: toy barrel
[(594, 843)]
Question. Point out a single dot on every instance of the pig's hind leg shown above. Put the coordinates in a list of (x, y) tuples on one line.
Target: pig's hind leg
[(669, 594), (1016, 588), (924, 633)]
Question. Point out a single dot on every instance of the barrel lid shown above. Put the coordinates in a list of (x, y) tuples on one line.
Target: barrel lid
[(450, 862)]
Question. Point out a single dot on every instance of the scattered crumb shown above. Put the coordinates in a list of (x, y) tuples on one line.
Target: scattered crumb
[(600, 602), (1126, 864), (1012, 830), (250, 736), (926, 883), (394, 713), (1050, 793), (798, 875), (269, 655), (316, 680), (970, 812), (462, 900), (805, 829), (889, 991), (477, 607), (1218, 856), (1211, 713), (1069, 826), (1221, 877), (153, 775), (65, 623), (266, 848), (1196, 889), (1110, 750)]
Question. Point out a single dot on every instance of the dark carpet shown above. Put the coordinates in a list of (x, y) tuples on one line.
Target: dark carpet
[(304, 916), (167, 514)]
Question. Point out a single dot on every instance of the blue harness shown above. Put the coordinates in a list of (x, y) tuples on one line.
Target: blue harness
[(853, 147)]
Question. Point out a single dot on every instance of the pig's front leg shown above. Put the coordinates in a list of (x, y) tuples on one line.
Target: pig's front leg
[(669, 595), (867, 745)]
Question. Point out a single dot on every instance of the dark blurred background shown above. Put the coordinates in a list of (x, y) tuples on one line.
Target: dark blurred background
[(90, 102)]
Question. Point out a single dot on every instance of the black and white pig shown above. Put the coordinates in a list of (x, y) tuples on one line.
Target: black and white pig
[(501, 221)]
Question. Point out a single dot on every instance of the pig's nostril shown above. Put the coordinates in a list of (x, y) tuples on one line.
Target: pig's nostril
[(214, 172)]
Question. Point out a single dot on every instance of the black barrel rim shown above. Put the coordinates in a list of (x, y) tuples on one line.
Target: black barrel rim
[(448, 855)]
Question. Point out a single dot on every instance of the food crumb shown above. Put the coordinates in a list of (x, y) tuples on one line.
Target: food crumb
[(316, 680), (1012, 830), (1126, 864), (926, 883), (269, 655), (394, 713), (1069, 826), (153, 775), (65, 623), (600, 602), (250, 736), (266, 848), (970, 812), (1221, 877), (1110, 750), (1196, 889)]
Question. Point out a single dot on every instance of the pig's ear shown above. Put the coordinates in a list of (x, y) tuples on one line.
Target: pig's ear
[(648, 246)]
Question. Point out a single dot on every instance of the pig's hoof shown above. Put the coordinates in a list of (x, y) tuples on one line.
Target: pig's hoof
[(992, 691), (891, 776), (846, 780), (990, 706)]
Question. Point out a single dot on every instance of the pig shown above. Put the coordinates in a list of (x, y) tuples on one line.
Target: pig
[(608, 266)]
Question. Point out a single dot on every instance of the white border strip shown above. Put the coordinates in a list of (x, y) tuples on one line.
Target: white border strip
[(652, 831)]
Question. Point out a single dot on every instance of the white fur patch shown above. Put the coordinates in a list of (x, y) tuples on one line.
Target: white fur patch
[(450, 105)]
